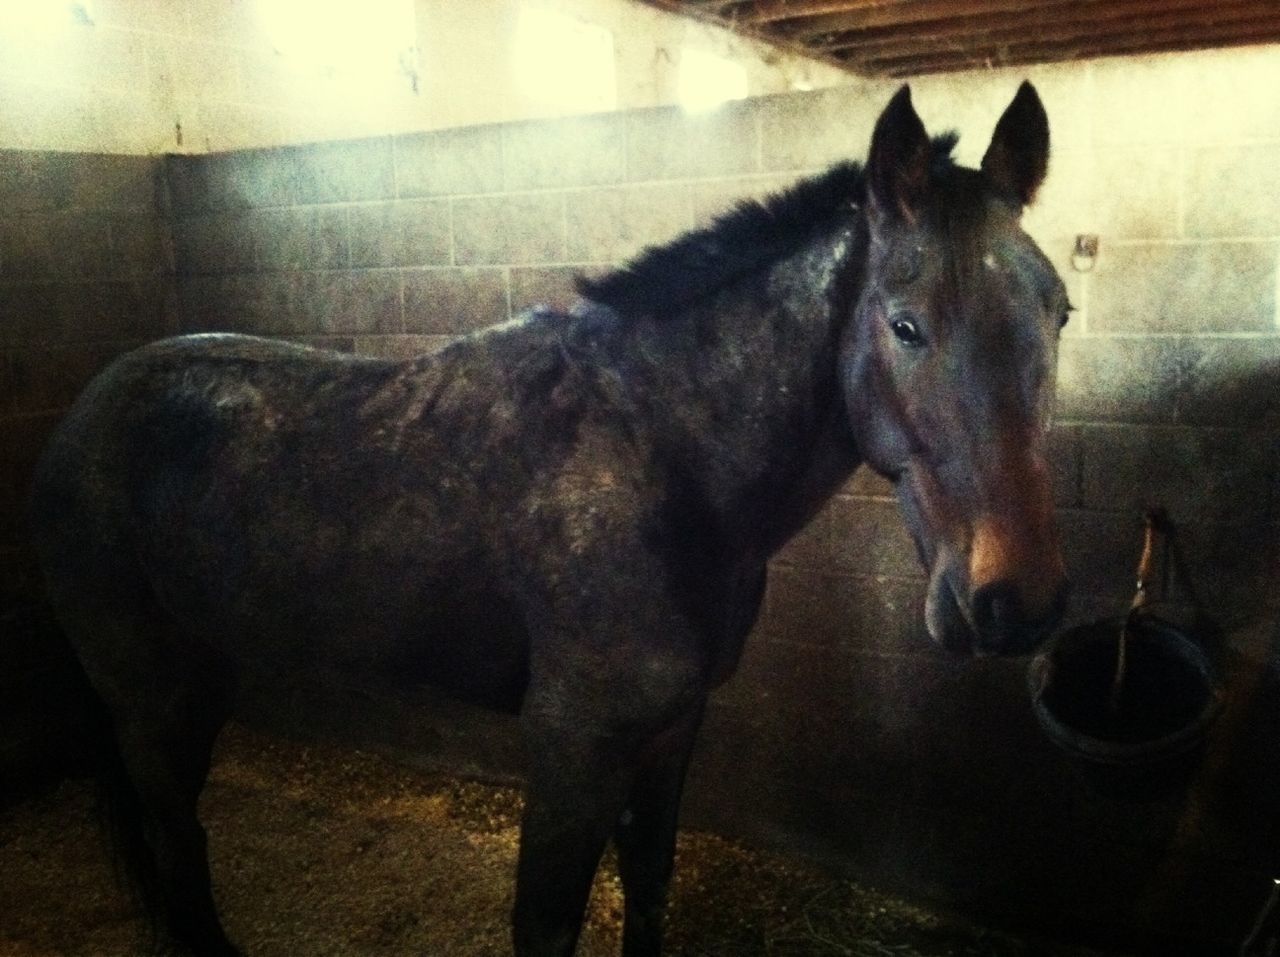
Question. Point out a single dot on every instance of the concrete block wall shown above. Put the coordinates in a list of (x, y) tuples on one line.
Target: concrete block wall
[(85, 274)]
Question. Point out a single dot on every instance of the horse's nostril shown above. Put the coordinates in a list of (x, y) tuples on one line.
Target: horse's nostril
[(1005, 625), (997, 607)]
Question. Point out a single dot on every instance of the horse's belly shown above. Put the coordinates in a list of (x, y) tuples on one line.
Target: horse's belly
[(399, 622)]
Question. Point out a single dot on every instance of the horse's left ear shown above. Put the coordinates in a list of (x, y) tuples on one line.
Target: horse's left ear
[(898, 162), (1018, 156)]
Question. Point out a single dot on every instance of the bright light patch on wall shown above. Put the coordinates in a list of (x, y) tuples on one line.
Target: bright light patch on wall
[(44, 14), (339, 34), (707, 80), (564, 63)]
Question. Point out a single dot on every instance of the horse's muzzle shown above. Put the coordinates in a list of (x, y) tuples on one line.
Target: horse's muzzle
[(994, 620), (1002, 624)]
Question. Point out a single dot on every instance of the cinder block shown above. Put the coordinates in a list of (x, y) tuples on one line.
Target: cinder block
[(31, 313), (60, 245), (450, 302), (1197, 474), (345, 171), (186, 184), (49, 380), (1065, 464), (1134, 194), (402, 233), (257, 303), (300, 238), (449, 162), (655, 149), (242, 179), (820, 608), (118, 183), (577, 151), (1185, 288), (354, 302), (11, 386), (126, 309), (810, 131), (543, 286), (1231, 94), (669, 143), (1233, 566), (23, 439), (213, 243), (810, 547), (1233, 382), (33, 181), (607, 225), (1234, 191), (1140, 101), (518, 229), (1119, 379), (868, 537), (26, 248), (139, 245), (1101, 553)]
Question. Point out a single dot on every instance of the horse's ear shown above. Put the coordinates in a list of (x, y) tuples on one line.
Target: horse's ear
[(1018, 156), (898, 164)]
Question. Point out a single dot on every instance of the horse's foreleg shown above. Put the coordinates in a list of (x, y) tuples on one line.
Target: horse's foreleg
[(645, 835), (574, 792)]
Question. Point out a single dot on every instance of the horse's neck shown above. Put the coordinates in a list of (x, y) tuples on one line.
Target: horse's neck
[(751, 395)]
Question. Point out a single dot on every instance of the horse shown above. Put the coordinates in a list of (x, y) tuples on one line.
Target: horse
[(569, 515)]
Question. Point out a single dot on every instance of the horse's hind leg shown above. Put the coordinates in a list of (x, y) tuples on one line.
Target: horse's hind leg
[(167, 702), (645, 836), (167, 760)]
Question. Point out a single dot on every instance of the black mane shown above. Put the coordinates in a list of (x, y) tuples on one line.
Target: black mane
[(751, 236)]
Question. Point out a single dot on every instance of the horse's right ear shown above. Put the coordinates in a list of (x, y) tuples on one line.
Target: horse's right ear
[(1018, 157), (898, 164)]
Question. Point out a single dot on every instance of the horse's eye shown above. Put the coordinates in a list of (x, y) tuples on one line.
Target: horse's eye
[(907, 332)]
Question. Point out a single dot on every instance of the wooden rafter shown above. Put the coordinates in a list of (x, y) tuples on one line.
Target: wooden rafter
[(906, 37)]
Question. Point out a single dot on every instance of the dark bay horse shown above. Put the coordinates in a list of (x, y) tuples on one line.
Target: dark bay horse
[(568, 516)]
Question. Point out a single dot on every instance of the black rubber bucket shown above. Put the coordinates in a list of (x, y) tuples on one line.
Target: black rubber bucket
[(1151, 739)]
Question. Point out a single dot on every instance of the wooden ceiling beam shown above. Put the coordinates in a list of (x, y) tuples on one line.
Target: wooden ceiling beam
[(905, 13), (906, 37), (774, 11), (1188, 15), (1241, 33), (1094, 18)]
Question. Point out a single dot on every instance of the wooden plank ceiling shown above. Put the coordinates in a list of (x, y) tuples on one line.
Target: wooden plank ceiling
[(910, 37)]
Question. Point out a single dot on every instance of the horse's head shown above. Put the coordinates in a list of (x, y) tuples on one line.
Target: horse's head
[(949, 372)]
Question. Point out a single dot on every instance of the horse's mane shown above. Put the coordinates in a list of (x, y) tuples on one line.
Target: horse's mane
[(751, 236)]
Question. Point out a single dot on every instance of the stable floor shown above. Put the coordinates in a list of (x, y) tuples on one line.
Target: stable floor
[(329, 851)]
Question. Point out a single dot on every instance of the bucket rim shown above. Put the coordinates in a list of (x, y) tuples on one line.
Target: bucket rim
[(1042, 668)]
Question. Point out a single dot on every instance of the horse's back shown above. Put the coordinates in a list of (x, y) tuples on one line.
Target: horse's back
[(177, 397), (280, 504)]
